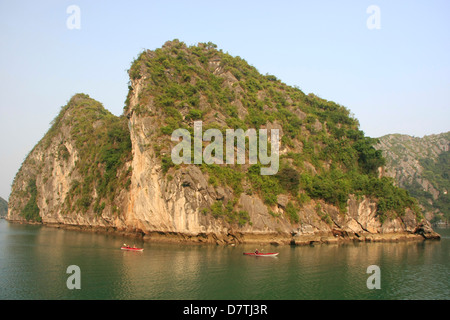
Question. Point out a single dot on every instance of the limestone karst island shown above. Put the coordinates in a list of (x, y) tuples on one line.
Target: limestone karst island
[(95, 171)]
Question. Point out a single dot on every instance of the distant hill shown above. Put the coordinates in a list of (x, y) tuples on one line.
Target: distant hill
[(3, 207), (421, 166)]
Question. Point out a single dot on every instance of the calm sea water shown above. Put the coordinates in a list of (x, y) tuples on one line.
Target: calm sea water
[(34, 261)]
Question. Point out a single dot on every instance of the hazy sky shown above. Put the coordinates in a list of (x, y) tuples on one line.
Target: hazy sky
[(395, 79)]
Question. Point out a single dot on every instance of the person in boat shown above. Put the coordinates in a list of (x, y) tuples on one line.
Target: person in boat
[(256, 251)]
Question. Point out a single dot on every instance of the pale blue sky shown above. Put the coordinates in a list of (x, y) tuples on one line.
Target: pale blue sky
[(395, 79)]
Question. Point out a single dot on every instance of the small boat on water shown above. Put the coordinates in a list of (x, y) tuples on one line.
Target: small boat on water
[(131, 248), (261, 254)]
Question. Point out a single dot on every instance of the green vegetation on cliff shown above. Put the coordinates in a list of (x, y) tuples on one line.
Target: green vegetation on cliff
[(103, 150), (31, 211), (104, 145), (326, 156), (99, 145)]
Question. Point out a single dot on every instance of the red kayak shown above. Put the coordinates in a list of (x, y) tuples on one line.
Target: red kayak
[(132, 249), (261, 254)]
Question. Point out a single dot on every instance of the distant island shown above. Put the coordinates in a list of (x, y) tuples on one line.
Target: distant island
[(421, 166), (3, 208), (96, 171)]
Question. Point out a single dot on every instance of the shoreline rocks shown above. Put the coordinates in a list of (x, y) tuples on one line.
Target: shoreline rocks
[(421, 233)]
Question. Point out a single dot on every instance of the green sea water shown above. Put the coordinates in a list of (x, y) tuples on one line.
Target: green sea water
[(34, 261)]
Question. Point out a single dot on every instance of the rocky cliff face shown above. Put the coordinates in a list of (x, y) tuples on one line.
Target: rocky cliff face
[(70, 176), (421, 166), (95, 170)]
